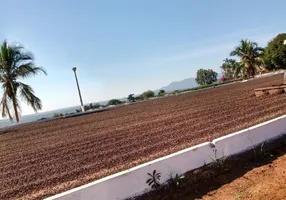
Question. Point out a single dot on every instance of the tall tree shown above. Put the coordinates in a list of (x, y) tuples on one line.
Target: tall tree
[(17, 64), (251, 56), (131, 98), (231, 68), (206, 76), (275, 53)]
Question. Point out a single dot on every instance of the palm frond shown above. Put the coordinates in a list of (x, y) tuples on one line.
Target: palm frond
[(248, 52), (28, 70), (27, 93)]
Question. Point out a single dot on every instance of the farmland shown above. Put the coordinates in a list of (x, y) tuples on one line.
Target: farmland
[(41, 159)]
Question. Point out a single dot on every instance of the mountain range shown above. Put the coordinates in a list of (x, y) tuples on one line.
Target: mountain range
[(179, 85), (183, 84)]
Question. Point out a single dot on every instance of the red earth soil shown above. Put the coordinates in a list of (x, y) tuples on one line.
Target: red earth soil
[(41, 159), (267, 182)]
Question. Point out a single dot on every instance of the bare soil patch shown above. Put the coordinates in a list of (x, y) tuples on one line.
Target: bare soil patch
[(267, 182), (41, 159), (258, 174)]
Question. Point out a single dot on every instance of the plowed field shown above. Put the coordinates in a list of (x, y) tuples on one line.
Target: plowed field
[(41, 159)]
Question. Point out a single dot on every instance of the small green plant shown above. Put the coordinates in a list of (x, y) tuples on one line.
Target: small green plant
[(175, 181), (220, 163), (154, 179)]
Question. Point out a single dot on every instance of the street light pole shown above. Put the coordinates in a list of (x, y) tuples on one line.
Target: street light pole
[(81, 103)]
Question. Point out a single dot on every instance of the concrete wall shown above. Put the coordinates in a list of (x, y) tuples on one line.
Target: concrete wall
[(250, 137), (133, 181)]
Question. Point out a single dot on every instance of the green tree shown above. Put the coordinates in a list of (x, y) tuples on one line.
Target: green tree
[(131, 98), (231, 68), (251, 56), (114, 102), (140, 97), (161, 93), (97, 105), (17, 64), (275, 53), (148, 94), (206, 76)]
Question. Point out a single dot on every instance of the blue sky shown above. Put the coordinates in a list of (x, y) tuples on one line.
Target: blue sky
[(129, 46)]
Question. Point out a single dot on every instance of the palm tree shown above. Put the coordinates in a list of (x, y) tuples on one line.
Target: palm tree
[(17, 64), (250, 55)]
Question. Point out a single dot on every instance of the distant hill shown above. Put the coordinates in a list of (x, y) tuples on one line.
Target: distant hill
[(183, 84), (179, 85)]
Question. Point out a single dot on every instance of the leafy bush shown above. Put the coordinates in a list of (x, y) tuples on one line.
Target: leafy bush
[(175, 181), (92, 106), (161, 93), (56, 115), (148, 94)]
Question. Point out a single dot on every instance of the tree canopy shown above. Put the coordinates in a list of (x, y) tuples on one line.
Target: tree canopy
[(131, 98), (17, 64), (161, 93), (250, 55), (275, 53), (148, 94), (206, 76), (231, 68), (114, 102)]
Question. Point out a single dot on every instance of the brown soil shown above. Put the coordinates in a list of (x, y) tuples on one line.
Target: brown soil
[(258, 174), (265, 182), (41, 159)]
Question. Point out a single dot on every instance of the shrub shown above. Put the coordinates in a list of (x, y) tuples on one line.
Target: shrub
[(148, 94), (56, 115), (161, 93), (114, 102)]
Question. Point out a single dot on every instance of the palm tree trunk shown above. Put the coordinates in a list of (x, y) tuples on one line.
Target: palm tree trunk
[(9, 114), (16, 109)]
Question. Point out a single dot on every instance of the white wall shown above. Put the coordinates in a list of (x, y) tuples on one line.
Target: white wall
[(250, 137), (133, 181)]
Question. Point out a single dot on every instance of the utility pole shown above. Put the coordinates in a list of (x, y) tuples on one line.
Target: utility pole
[(81, 103)]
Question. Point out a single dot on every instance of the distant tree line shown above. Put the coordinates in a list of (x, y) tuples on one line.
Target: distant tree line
[(253, 59)]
